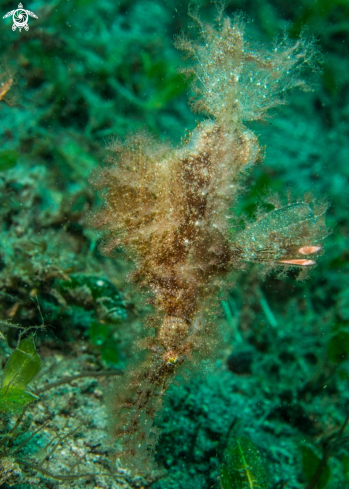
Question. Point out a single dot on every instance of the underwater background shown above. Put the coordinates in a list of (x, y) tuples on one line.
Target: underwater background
[(270, 406)]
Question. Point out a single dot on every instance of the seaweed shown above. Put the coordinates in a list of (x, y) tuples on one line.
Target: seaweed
[(243, 468)]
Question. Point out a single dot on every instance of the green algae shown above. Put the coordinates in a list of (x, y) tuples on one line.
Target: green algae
[(20, 369)]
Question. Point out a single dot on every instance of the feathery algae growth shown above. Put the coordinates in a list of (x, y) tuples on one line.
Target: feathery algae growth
[(170, 210)]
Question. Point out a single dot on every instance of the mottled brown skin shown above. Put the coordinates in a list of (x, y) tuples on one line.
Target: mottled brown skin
[(169, 210), (7, 82)]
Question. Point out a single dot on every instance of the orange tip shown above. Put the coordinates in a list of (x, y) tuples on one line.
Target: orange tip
[(308, 250), (302, 263), (5, 87)]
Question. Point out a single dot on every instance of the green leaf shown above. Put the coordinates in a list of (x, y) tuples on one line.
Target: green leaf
[(13, 399), (226, 480), (310, 464), (99, 288), (8, 159), (109, 354), (175, 86), (23, 365), (99, 333), (244, 465)]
